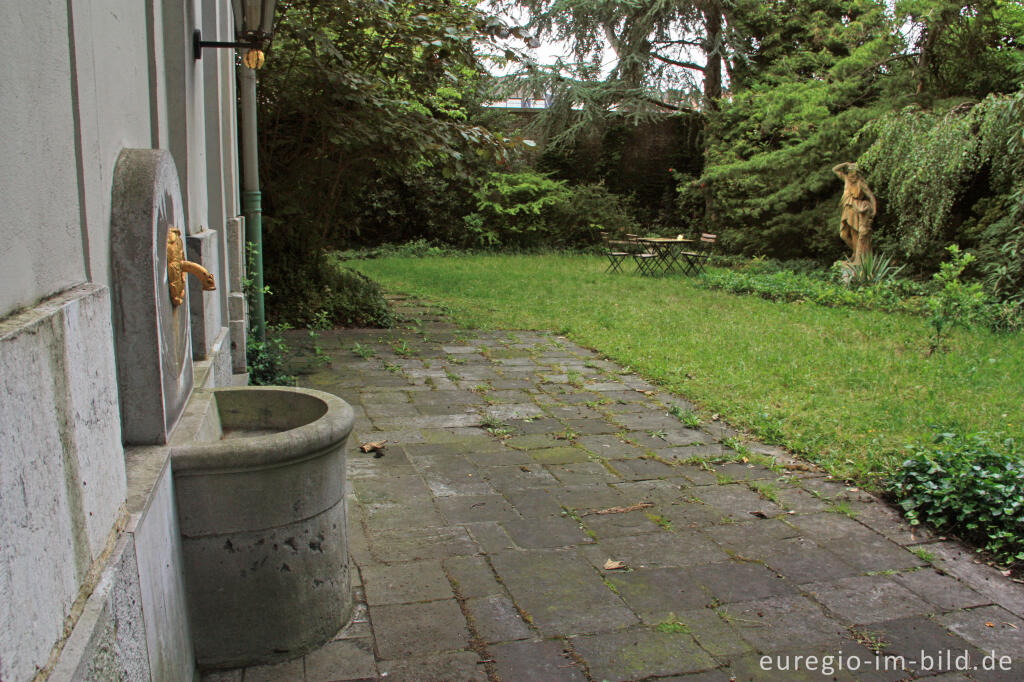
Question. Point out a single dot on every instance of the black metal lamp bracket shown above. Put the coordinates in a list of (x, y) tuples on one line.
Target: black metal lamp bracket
[(198, 44)]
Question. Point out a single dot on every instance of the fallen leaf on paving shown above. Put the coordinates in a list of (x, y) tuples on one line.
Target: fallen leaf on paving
[(623, 510), (373, 446), (797, 467), (990, 625), (759, 514), (647, 392), (714, 417), (523, 467), (1011, 625), (612, 565)]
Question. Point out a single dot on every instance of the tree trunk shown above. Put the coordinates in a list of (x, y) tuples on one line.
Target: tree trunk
[(714, 51)]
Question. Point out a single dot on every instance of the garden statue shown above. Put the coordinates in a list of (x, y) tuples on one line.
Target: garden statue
[(859, 207)]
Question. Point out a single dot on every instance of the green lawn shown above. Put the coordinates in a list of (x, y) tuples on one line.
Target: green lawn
[(845, 388)]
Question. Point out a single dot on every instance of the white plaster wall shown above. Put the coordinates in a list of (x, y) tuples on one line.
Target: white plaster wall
[(219, 113), (62, 477), (114, 104), (185, 123), (40, 212)]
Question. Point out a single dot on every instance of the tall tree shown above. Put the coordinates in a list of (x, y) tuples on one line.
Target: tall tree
[(365, 108)]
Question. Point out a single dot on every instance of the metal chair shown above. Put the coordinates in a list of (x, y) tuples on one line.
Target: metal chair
[(699, 257), (646, 261), (615, 252)]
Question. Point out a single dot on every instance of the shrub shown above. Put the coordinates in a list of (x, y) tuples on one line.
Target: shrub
[(954, 303), (972, 485), (316, 290), (352, 298), (527, 209)]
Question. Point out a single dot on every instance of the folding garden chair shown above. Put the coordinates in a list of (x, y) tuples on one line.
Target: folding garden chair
[(646, 261), (616, 251), (699, 257)]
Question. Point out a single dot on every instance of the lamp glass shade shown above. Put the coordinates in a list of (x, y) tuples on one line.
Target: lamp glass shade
[(254, 19)]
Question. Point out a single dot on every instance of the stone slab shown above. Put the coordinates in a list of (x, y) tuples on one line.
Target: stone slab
[(406, 630), (868, 599), (344, 659), (639, 653), (464, 666), (779, 623), (560, 593), (472, 577), (496, 619), (658, 595), (654, 550), (549, 531), (416, 581), (537, 661)]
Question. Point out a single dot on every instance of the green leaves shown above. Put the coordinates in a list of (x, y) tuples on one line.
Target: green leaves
[(954, 302), (969, 484)]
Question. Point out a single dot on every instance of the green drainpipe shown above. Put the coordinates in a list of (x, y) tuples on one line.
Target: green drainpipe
[(252, 206)]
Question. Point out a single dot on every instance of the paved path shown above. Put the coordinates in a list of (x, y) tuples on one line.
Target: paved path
[(517, 464)]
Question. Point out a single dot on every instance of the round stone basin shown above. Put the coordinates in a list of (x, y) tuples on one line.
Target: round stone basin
[(259, 478)]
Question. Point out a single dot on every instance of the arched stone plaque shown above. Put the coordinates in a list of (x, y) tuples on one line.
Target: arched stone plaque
[(152, 339)]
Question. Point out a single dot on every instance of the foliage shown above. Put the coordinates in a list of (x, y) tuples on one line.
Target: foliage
[(965, 49), (318, 290), (788, 286), (266, 359), (815, 73), (805, 77), (364, 114), (874, 269), (351, 298), (528, 209), (643, 160), (972, 485), (653, 42), (845, 388), (931, 166), (954, 302), (417, 248)]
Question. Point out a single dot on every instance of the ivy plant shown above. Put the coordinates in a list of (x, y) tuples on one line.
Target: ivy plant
[(972, 485)]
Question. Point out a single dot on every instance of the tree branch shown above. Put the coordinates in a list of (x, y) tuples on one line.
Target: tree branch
[(683, 65)]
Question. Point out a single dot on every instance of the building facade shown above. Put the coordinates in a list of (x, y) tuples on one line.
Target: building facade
[(90, 575)]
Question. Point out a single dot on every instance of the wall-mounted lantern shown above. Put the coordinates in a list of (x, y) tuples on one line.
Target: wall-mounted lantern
[(254, 26)]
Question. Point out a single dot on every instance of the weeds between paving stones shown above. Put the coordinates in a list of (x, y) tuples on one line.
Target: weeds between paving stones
[(872, 640), (923, 554), (660, 520), (362, 351), (841, 507), (671, 625)]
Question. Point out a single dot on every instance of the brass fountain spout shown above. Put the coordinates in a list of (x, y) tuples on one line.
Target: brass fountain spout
[(177, 266)]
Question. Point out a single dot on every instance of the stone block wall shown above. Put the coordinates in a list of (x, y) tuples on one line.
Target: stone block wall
[(62, 473)]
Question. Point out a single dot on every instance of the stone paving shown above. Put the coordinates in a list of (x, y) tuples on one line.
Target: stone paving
[(517, 465)]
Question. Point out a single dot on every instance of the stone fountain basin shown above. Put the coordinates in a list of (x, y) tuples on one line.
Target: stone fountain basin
[(259, 478)]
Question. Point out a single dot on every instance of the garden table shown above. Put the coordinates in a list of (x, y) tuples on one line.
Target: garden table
[(666, 255)]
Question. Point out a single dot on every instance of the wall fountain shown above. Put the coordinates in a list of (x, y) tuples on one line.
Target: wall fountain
[(258, 472)]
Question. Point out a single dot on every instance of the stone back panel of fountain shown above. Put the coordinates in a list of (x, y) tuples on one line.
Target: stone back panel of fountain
[(154, 351)]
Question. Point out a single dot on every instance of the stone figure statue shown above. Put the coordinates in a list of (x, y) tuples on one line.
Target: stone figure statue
[(858, 207)]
